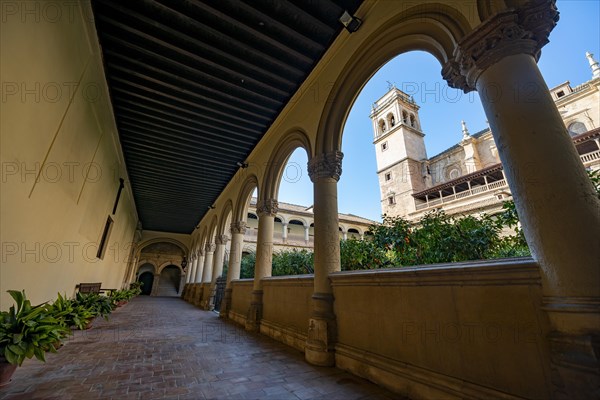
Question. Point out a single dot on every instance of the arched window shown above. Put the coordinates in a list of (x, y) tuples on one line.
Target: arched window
[(382, 126), (412, 121), (405, 117), (391, 120), (577, 128)]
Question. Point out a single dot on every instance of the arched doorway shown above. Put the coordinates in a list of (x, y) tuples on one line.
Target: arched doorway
[(170, 279), (147, 280)]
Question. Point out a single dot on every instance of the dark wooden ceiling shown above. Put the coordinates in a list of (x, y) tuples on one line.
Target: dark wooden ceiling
[(196, 83)]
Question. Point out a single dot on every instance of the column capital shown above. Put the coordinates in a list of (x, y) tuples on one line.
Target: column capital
[(238, 227), (210, 247), (268, 207), (326, 165), (221, 239), (518, 31)]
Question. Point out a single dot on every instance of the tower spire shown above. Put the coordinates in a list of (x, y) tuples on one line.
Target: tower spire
[(465, 131), (594, 65)]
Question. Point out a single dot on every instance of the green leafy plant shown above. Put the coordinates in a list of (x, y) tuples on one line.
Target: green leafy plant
[(97, 304), (594, 176), (292, 262), (27, 331), (71, 313)]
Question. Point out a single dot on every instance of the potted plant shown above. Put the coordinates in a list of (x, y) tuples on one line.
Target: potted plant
[(71, 314), (26, 331)]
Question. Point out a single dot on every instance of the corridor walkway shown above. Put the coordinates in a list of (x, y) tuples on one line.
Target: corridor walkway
[(159, 347)]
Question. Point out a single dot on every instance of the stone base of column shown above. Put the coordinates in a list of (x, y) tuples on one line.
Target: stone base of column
[(574, 346), (186, 291), (322, 332), (197, 300), (226, 304), (191, 293), (209, 303), (255, 312)]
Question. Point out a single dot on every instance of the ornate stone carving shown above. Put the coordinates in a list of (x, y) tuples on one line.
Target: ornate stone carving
[(326, 165), (267, 207), (521, 31), (221, 239), (238, 227), (210, 247)]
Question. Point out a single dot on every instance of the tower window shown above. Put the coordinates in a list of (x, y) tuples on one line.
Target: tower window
[(392, 120), (384, 146), (412, 121), (560, 94), (388, 176), (382, 127), (405, 117), (391, 200)]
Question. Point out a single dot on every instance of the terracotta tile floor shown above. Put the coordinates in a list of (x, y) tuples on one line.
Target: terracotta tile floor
[(165, 348)]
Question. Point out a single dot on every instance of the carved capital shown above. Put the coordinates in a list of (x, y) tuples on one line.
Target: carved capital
[(238, 227), (210, 247), (326, 165), (221, 239), (520, 31), (267, 207)]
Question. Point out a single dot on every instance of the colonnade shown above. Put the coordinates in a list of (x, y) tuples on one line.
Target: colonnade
[(557, 204)]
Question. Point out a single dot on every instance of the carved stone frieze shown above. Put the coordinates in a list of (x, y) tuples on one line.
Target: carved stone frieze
[(326, 165), (517, 31), (268, 207), (238, 227)]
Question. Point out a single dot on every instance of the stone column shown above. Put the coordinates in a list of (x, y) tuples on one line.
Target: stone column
[(284, 232), (155, 282), (209, 251), (191, 269), (307, 235), (266, 210), (324, 171), (197, 279), (556, 202), (221, 242), (238, 230), (345, 235)]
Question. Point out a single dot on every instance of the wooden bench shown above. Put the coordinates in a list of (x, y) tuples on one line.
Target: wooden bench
[(89, 287), (93, 288)]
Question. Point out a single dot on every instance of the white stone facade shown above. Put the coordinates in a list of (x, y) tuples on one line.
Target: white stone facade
[(468, 177)]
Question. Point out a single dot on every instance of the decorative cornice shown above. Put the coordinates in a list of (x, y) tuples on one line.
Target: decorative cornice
[(326, 165), (268, 207), (221, 239), (210, 247), (520, 31), (238, 227)]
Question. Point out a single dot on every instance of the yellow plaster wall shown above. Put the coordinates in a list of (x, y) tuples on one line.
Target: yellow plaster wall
[(57, 129)]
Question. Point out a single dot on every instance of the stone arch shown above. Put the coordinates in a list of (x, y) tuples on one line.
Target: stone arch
[(144, 262), (149, 242), (391, 120), (226, 215), (242, 203), (434, 28), (382, 126), (299, 219), (211, 232), (281, 153), (176, 263)]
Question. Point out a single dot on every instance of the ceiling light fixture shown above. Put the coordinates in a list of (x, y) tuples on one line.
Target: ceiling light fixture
[(350, 22)]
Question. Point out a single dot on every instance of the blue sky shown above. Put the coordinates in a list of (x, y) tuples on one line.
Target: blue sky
[(442, 109)]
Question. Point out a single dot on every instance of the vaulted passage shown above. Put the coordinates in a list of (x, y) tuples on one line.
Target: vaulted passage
[(158, 347)]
